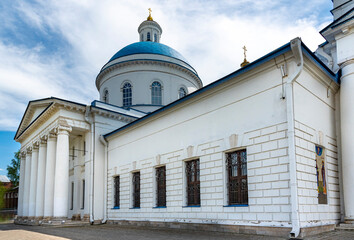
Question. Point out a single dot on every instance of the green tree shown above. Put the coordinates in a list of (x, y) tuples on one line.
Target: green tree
[(13, 170)]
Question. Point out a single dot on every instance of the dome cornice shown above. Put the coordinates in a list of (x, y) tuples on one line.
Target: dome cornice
[(172, 65), (149, 23)]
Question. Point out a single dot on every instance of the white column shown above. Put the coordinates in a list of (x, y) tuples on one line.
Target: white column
[(27, 183), (49, 176), (21, 185), (41, 177), (33, 182), (347, 132), (61, 182)]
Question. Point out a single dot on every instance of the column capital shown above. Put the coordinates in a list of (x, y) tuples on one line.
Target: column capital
[(35, 146), (62, 129), (43, 139), (23, 154), (29, 150)]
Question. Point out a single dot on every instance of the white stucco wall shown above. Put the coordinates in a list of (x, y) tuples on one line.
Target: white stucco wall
[(252, 110), (315, 125)]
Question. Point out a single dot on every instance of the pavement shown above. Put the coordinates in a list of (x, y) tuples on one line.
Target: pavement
[(10, 231)]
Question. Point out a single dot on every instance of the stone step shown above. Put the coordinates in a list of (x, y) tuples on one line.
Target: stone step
[(345, 227), (66, 223)]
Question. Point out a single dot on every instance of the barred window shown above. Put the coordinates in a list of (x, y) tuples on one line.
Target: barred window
[(156, 95), (193, 183), (161, 186), (136, 190), (236, 164), (116, 191), (127, 94)]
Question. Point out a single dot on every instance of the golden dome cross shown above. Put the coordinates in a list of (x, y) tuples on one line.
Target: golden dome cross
[(149, 18)]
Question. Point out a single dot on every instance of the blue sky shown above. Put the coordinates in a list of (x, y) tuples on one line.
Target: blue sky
[(56, 48)]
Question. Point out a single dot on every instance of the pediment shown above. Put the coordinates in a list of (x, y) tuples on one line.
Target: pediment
[(34, 109)]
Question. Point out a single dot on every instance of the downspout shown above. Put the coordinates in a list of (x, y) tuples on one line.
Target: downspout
[(105, 143), (91, 122), (295, 45)]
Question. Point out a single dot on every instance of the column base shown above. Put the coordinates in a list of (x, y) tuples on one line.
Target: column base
[(76, 217), (86, 218)]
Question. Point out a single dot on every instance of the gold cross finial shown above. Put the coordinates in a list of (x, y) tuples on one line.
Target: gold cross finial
[(149, 17), (245, 62), (244, 51)]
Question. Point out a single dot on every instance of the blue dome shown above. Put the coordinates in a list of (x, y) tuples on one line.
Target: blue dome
[(148, 48)]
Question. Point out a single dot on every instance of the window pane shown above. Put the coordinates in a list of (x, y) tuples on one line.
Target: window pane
[(127, 95), (236, 164), (161, 186), (116, 191), (136, 190), (193, 182), (181, 93), (156, 95)]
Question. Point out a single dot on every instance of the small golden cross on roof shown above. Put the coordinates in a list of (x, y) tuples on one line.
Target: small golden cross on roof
[(149, 18), (149, 10), (244, 51)]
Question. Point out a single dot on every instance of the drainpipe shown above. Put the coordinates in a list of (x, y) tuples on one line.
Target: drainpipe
[(295, 45), (92, 156), (105, 143)]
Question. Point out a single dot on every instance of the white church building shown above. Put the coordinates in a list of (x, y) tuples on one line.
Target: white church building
[(267, 149)]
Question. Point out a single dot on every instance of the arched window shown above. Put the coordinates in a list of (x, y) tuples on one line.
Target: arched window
[(142, 37), (105, 96), (155, 37), (127, 94), (156, 97), (148, 37), (182, 92)]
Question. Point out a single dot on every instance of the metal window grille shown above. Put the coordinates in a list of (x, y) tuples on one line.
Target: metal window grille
[(156, 95), (236, 163), (116, 191), (161, 186), (193, 182), (136, 190), (127, 94)]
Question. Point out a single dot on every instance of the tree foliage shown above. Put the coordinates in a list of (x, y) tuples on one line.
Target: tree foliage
[(13, 170)]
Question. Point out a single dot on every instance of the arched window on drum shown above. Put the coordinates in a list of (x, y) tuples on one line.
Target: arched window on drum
[(182, 92), (127, 94), (156, 93), (105, 96)]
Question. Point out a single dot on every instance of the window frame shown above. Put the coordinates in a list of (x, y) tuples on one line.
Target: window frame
[(161, 193), (236, 186), (136, 184), (105, 97), (127, 94), (156, 93), (83, 194), (116, 197), (192, 173), (179, 92)]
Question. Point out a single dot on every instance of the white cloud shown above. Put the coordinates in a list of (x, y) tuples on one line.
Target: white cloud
[(210, 34)]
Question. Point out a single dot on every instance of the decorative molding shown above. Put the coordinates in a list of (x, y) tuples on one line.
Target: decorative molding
[(172, 65)]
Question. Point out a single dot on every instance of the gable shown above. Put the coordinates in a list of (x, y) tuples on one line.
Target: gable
[(33, 111)]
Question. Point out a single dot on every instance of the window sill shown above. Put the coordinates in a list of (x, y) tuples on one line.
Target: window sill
[(116, 208), (191, 206), (135, 208), (160, 207), (237, 205)]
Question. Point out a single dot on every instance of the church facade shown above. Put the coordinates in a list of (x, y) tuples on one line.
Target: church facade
[(266, 149)]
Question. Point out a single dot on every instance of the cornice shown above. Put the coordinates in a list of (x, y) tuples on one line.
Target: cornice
[(147, 62)]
